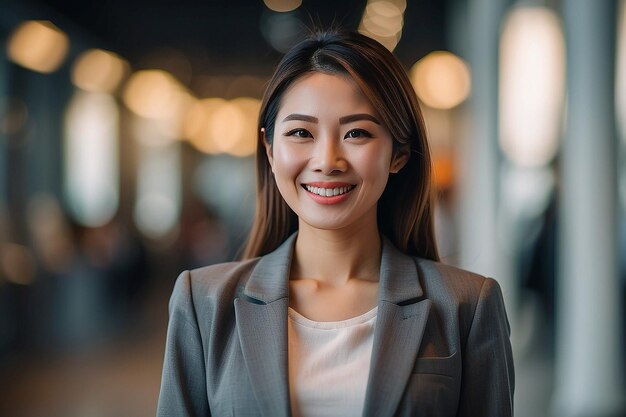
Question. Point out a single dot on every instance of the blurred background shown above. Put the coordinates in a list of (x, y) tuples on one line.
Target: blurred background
[(127, 133)]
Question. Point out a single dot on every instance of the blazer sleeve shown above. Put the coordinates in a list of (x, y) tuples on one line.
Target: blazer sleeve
[(183, 384), (488, 380)]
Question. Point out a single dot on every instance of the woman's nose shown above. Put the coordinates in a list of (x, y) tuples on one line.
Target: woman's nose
[(329, 157)]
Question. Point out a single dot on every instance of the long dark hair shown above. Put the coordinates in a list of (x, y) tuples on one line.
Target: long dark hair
[(406, 206)]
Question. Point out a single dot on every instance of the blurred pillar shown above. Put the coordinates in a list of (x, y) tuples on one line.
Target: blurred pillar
[(481, 248), (16, 160), (588, 363), (47, 98), (3, 139)]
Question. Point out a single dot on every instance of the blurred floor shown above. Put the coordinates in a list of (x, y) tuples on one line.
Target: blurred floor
[(534, 360), (122, 377), (118, 378)]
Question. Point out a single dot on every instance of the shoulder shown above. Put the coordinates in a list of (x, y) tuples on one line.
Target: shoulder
[(457, 289), (463, 283), (212, 283), (219, 277)]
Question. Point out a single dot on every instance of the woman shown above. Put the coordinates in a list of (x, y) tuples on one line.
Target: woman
[(340, 307)]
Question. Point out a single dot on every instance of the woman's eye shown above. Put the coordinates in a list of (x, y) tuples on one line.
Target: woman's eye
[(299, 133), (358, 133)]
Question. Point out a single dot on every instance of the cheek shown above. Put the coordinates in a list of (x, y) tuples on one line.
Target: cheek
[(288, 162), (375, 164)]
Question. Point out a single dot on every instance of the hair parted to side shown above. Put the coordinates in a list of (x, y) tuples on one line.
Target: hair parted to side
[(405, 209)]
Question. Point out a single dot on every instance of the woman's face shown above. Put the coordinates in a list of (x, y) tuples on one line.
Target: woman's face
[(331, 155)]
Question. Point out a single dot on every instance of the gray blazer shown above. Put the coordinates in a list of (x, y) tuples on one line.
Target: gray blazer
[(441, 341)]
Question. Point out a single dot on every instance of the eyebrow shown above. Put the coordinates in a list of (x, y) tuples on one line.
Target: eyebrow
[(301, 117), (356, 117), (342, 121)]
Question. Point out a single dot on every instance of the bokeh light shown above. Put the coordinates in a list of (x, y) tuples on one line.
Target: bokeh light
[(281, 30), (532, 85), (383, 21), (159, 96), (38, 45), (151, 93), (382, 18), (91, 158), (249, 108), (98, 70), (158, 199), (215, 125), (225, 126), (282, 5), (441, 80), (197, 125)]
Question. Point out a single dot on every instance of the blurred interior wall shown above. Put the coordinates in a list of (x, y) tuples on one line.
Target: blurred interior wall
[(589, 378), (481, 246)]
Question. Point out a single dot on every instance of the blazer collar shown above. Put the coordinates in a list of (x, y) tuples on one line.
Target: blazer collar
[(269, 280), (261, 317), (398, 281)]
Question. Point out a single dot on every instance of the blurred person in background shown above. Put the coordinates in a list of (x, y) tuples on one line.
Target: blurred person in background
[(340, 306)]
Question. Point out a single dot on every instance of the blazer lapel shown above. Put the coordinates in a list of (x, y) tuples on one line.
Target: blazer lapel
[(261, 317), (263, 334), (399, 328)]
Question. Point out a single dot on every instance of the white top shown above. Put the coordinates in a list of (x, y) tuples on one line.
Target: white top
[(329, 364)]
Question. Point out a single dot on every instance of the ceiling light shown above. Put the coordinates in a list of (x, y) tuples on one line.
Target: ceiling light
[(38, 45), (282, 5), (97, 70), (441, 80)]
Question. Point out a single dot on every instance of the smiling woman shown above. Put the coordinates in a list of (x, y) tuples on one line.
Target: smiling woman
[(340, 306), (331, 163)]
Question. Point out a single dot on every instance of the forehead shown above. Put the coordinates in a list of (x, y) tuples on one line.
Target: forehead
[(332, 94)]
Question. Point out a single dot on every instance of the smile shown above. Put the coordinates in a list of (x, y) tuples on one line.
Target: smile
[(328, 192)]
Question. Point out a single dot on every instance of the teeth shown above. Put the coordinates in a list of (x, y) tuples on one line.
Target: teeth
[(328, 192)]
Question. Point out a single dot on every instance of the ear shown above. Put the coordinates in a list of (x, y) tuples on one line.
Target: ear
[(268, 148), (400, 158)]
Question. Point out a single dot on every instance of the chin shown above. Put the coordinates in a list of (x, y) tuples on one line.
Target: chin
[(325, 223)]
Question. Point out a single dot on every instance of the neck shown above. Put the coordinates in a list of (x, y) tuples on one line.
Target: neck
[(336, 256)]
